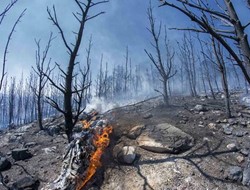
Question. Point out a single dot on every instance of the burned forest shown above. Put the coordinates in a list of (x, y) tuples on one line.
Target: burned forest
[(142, 95)]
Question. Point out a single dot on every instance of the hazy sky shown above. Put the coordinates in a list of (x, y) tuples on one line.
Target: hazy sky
[(124, 24)]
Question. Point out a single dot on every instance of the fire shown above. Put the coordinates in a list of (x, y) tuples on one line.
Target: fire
[(100, 141), (87, 122)]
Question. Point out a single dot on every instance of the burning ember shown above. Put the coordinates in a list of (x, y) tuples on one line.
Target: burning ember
[(83, 157)]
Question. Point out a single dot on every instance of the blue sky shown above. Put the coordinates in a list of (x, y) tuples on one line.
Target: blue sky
[(124, 24)]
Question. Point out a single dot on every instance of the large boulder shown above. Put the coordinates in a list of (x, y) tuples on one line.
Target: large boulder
[(4, 164), (165, 138), (21, 154)]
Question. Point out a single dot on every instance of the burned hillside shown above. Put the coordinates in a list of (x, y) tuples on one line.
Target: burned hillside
[(124, 95), (187, 145)]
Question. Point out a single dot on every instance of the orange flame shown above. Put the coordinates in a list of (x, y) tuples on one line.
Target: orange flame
[(86, 124), (100, 142)]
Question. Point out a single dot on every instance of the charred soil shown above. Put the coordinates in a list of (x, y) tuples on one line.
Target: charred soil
[(220, 145)]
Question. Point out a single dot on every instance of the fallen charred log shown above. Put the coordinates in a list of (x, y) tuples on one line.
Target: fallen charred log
[(83, 155)]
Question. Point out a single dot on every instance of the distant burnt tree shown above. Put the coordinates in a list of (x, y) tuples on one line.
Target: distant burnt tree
[(188, 59), (163, 65), (41, 69)]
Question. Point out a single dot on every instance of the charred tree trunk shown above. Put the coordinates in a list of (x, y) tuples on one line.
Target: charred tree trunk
[(165, 92), (12, 100), (68, 89), (222, 68), (165, 69)]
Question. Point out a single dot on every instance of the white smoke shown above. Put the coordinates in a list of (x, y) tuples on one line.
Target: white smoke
[(101, 105)]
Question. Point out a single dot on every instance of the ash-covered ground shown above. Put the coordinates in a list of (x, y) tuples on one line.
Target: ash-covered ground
[(188, 145)]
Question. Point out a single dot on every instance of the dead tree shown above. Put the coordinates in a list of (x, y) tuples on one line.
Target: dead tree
[(2, 16), (19, 103), (12, 99), (41, 70), (236, 76), (214, 53), (68, 89), (188, 59), (220, 62), (164, 68), (207, 67), (231, 28), (126, 76), (99, 81), (4, 104)]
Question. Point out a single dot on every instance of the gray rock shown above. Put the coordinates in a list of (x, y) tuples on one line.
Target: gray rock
[(165, 138), (124, 154), (147, 116), (16, 138), (212, 126), (201, 123), (232, 147), (234, 173), (244, 151), (240, 158), (239, 115), (232, 121), (24, 128), (239, 133), (21, 154), (4, 164), (42, 132), (243, 123), (26, 183), (135, 131), (54, 130), (128, 154), (201, 113), (200, 108), (30, 144), (246, 174), (228, 131), (224, 121), (49, 150)]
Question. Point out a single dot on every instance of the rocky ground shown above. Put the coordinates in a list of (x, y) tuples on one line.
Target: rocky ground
[(188, 145)]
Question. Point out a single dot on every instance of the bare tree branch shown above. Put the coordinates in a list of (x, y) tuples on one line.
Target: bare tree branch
[(232, 17), (7, 8), (7, 46), (53, 18)]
